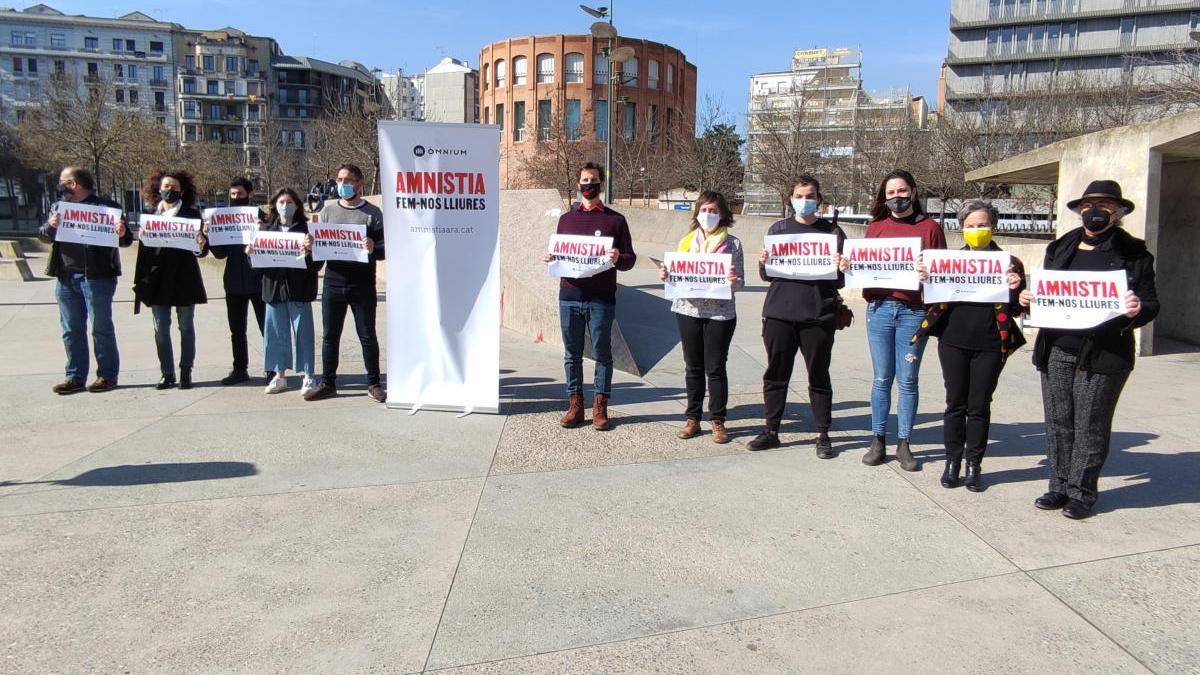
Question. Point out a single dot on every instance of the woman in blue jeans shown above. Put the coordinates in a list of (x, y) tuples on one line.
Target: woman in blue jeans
[(894, 316), (167, 278)]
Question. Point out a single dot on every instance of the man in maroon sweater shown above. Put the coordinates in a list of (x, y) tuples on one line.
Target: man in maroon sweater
[(589, 304)]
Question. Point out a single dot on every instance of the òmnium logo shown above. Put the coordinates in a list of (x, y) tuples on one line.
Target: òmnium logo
[(421, 151)]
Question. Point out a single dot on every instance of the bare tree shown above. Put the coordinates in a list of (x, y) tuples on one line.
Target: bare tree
[(553, 160), (711, 160)]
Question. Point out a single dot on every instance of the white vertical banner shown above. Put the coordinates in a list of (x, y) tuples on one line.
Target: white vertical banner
[(441, 212)]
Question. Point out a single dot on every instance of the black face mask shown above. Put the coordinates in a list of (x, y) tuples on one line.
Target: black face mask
[(240, 201), (1095, 219), (899, 204), (169, 196), (589, 190), (65, 191)]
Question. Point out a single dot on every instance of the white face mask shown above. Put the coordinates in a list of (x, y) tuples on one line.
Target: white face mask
[(708, 221), (804, 207), (285, 210)]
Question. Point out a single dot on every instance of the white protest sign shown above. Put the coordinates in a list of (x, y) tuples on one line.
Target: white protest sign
[(278, 249), (576, 257), (966, 276), (87, 224), (883, 263), (801, 256), (231, 225), (339, 242), (169, 232), (1076, 300), (697, 275)]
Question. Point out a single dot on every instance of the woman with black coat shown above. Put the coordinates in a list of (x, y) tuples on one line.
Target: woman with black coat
[(1083, 371), (170, 277)]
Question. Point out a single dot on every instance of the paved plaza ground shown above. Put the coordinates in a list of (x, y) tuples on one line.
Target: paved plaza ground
[(223, 530)]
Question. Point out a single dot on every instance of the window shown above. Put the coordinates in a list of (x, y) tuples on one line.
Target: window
[(1070, 32), (629, 128), (189, 85), (520, 66), (132, 71), (91, 43), (670, 77), (252, 88), (652, 123), (118, 71), (60, 67), (600, 75), (159, 74), (216, 112), (213, 87), (58, 41), (298, 137), (252, 67), (209, 62), (486, 115), (573, 68), (1038, 39), (156, 47), (1022, 40), (501, 73), (118, 45), (600, 117), (543, 120), (670, 128), (1128, 26), (629, 72), (160, 101), (233, 135), (572, 119), (652, 74), (254, 161), (254, 135), (1006, 40), (191, 110), (231, 64), (500, 117), (252, 113), (486, 82), (119, 95), (189, 132), (18, 64), (545, 68), (519, 121), (189, 62), (1053, 32), (230, 87), (133, 97), (31, 66), (93, 70)]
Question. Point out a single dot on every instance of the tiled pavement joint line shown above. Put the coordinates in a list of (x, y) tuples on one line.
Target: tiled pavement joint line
[(466, 540), (730, 622), (1166, 549)]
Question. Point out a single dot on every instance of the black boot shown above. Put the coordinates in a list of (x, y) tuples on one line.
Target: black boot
[(950, 473), (236, 376), (904, 454), (973, 479), (166, 382), (185, 378), (874, 456), (824, 447)]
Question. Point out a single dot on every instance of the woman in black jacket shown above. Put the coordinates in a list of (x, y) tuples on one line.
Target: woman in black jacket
[(974, 341), (288, 293), (1083, 371), (170, 277)]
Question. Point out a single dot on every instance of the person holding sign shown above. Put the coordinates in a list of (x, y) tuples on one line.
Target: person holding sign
[(1083, 370), (589, 304), (86, 281), (167, 276), (243, 287), (350, 285), (974, 341), (289, 293), (894, 315), (800, 313), (706, 325)]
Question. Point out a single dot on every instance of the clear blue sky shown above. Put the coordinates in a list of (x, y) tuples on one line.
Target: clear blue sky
[(903, 43)]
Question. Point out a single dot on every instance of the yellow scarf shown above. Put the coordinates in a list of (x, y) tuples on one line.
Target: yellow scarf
[(696, 242)]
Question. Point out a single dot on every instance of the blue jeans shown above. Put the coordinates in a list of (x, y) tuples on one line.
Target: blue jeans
[(596, 318), (187, 337), (890, 327), (285, 320), (80, 299)]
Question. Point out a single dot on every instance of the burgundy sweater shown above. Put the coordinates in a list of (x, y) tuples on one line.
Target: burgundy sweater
[(601, 223), (932, 236)]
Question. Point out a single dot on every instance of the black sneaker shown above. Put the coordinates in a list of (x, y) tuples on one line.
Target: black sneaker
[(824, 447), (236, 376), (764, 441)]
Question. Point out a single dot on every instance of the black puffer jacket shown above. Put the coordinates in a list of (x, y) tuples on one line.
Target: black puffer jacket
[(170, 277)]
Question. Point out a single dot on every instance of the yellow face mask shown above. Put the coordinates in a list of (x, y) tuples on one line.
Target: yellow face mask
[(978, 237)]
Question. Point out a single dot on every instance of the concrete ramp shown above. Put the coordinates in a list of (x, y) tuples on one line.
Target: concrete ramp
[(13, 265)]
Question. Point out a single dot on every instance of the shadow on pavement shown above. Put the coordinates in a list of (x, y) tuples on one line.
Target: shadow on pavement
[(149, 474), (648, 325), (523, 395)]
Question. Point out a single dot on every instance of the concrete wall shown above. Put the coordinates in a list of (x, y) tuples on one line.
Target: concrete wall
[(1178, 242)]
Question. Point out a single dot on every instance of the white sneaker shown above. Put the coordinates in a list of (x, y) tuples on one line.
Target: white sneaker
[(310, 384), (278, 384)]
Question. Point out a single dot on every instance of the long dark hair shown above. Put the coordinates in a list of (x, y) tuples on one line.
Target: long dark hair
[(300, 216), (187, 186), (711, 197), (879, 209)]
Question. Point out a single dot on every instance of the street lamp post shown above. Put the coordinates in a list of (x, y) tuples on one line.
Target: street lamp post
[(607, 31)]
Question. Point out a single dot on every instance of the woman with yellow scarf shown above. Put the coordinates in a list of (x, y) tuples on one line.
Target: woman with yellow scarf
[(706, 325)]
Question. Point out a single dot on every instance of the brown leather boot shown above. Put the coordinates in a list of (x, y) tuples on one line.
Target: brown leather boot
[(574, 414), (718, 432), (689, 430), (600, 413)]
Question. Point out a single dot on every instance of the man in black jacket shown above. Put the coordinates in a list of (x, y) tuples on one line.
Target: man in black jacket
[(87, 279), (243, 289)]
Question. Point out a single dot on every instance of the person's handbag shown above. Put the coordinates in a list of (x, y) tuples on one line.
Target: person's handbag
[(843, 315)]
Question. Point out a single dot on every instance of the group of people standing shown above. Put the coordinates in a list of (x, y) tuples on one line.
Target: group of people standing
[(169, 281), (1082, 371)]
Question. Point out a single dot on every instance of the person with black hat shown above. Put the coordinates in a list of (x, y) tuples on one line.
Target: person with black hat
[(1083, 371)]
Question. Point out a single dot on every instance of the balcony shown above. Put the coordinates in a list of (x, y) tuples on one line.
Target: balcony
[(1008, 16), (161, 84), (1054, 55)]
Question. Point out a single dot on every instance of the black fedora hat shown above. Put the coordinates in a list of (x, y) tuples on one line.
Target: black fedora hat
[(1110, 189)]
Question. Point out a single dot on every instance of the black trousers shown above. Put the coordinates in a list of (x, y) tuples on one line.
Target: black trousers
[(1079, 411), (971, 376), (815, 343), (705, 351), (235, 309), (361, 302)]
